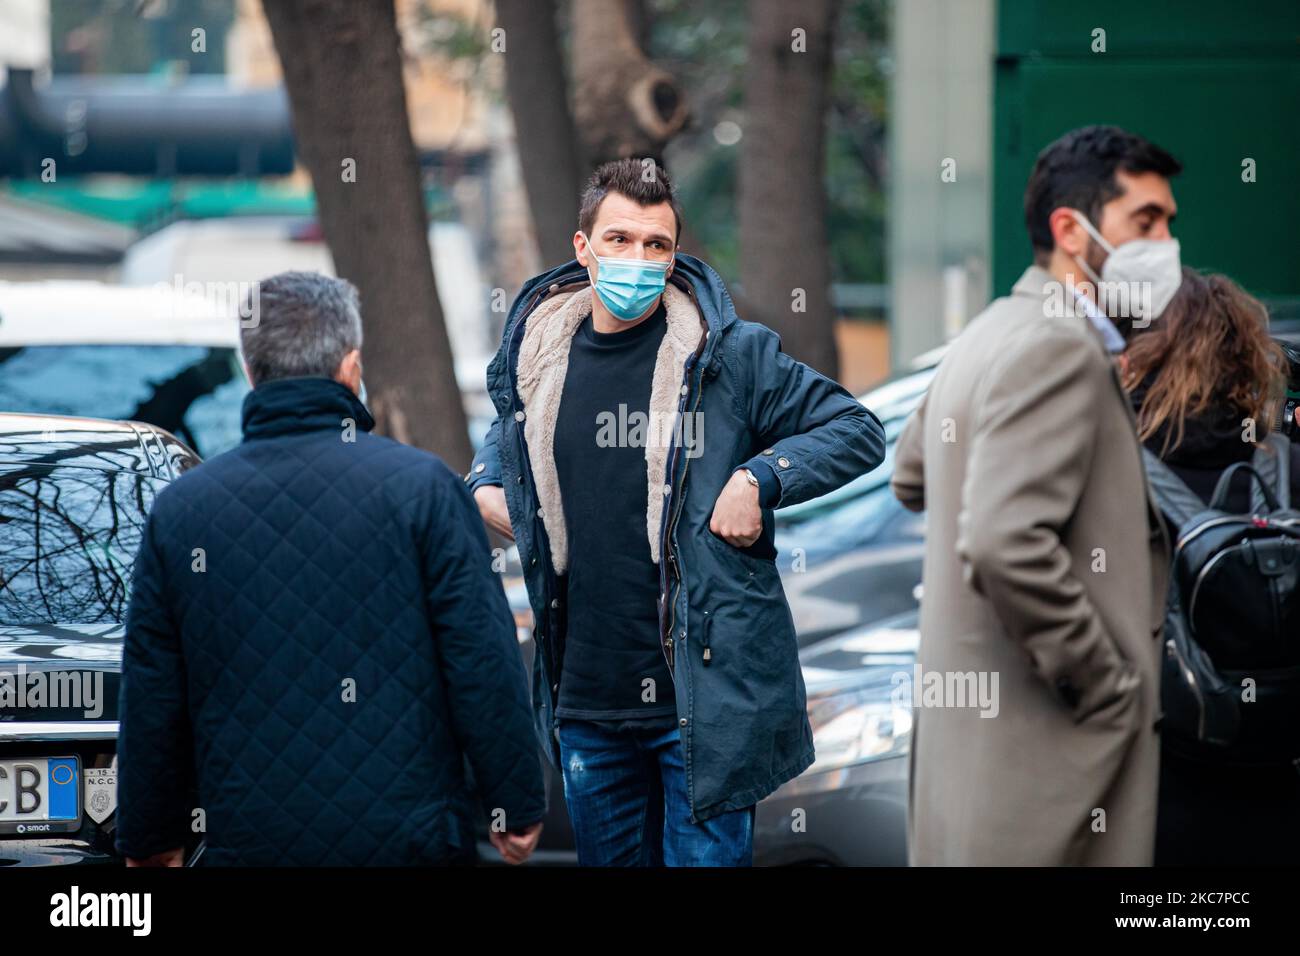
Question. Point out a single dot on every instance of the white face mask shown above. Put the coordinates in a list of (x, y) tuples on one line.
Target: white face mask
[(1138, 279)]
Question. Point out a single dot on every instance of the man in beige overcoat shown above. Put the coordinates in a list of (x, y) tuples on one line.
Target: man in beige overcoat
[(1045, 562)]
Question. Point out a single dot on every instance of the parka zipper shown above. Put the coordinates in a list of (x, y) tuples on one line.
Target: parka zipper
[(666, 543), (668, 554)]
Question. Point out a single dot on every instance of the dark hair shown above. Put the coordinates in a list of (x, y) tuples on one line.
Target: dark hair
[(1209, 349), (642, 180), (1078, 171)]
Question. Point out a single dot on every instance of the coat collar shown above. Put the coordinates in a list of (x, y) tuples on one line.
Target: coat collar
[(1033, 281), (542, 366), (289, 405), (1036, 282)]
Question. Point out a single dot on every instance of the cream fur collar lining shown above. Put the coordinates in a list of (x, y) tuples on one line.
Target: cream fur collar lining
[(543, 364)]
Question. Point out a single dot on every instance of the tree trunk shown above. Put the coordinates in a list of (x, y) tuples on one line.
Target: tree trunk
[(342, 65), (784, 255), (536, 90), (623, 103)]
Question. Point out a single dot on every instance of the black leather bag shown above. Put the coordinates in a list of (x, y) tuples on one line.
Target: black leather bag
[(1233, 615)]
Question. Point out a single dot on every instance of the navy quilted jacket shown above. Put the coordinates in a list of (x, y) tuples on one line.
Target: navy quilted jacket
[(316, 641)]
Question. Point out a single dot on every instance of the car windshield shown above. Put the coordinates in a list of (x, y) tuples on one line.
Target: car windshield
[(70, 537), (193, 391)]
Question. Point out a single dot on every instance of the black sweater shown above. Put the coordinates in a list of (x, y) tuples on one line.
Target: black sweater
[(1211, 442)]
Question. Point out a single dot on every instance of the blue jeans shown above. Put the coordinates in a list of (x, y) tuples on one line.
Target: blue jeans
[(626, 793)]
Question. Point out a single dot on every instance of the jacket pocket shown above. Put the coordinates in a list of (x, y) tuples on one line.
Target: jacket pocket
[(737, 555)]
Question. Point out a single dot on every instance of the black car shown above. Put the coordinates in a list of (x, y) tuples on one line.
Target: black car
[(74, 497)]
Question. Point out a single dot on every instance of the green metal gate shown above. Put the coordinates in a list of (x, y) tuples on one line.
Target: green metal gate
[(1215, 83)]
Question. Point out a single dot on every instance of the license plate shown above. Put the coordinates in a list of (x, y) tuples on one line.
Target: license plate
[(40, 795)]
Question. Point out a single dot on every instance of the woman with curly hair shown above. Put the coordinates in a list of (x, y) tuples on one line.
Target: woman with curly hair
[(1205, 380)]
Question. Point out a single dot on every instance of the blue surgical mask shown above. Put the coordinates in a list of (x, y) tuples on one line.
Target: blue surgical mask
[(628, 286)]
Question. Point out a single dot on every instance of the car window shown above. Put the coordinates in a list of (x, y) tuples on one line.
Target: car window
[(192, 391), (69, 536)]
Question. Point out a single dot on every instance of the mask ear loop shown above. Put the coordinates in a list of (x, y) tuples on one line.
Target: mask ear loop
[(591, 254), (1091, 230)]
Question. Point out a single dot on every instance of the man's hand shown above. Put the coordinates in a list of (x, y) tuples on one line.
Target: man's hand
[(737, 518), (516, 846), (491, 501), (166, 858)]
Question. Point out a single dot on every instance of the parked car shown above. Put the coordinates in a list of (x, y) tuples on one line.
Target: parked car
[(74, 496), (853, 557), (850, 807)]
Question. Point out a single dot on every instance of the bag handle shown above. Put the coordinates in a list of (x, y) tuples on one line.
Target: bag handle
[(1179, 503), (1272, 459), (1220, 496)]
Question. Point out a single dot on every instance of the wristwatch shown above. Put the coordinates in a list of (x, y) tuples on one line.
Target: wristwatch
[(749, 476)]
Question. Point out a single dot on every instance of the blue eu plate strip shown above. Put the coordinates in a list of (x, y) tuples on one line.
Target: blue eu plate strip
[(62, 782)]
